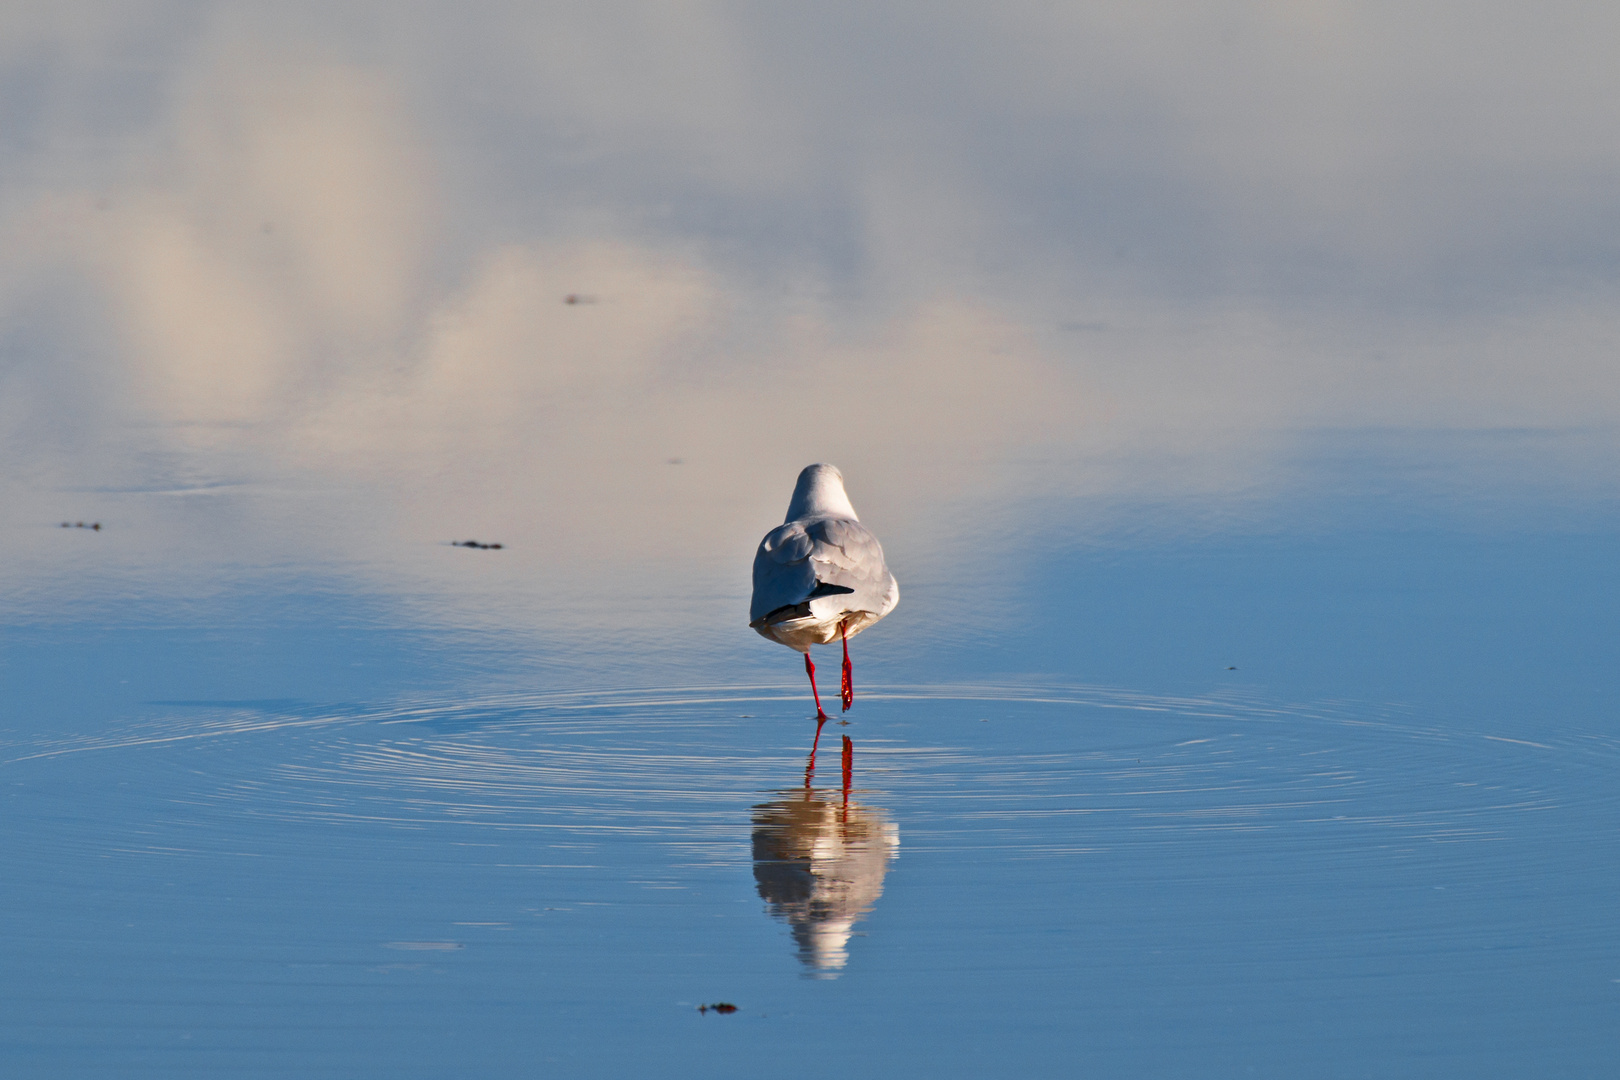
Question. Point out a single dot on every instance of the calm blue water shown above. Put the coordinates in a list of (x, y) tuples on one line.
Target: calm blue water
[(1339, 801), (1232, 387)]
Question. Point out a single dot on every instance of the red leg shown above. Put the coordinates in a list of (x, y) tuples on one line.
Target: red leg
[(810, 767), (849, 765), (848, 688), (810, 669), (821, 719)]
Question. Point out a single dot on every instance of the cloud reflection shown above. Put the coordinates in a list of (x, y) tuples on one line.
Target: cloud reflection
[(319, 264), (819, 863)]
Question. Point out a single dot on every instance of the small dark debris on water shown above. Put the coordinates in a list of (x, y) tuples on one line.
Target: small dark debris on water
[(578, 298), (94, 525), (719, 1007), (1231, 669), (476, 544)]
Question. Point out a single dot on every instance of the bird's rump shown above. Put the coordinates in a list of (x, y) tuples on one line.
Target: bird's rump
[(831, 559)]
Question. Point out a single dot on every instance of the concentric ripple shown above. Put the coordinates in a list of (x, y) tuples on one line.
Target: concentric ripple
[(1087, 859), (1034, 772)]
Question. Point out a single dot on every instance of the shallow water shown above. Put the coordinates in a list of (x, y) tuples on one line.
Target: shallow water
[(1237, 411), (1027, 878)]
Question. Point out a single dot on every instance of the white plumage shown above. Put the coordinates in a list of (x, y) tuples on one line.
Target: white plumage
[(821, 570)]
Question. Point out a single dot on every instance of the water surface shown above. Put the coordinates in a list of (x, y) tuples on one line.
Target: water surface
[(1032, 875), (1238, 413)]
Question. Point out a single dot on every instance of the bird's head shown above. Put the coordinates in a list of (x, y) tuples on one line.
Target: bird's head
[(820, 490)]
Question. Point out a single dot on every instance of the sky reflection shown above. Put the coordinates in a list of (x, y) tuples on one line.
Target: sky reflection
[(291, 284)]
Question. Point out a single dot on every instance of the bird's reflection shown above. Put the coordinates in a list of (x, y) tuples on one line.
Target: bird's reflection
[(819, 862)]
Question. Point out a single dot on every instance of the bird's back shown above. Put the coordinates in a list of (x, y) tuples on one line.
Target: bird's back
[(817, 575)]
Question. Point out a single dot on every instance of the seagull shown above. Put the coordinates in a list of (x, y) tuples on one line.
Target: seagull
[(820, 576)]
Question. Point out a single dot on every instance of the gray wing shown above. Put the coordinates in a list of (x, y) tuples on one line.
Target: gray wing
[(821, 557)]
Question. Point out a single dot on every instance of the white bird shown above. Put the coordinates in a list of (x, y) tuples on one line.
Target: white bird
[(820, 576)]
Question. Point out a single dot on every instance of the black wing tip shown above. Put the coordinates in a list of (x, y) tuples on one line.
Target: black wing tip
[(783, 614)]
